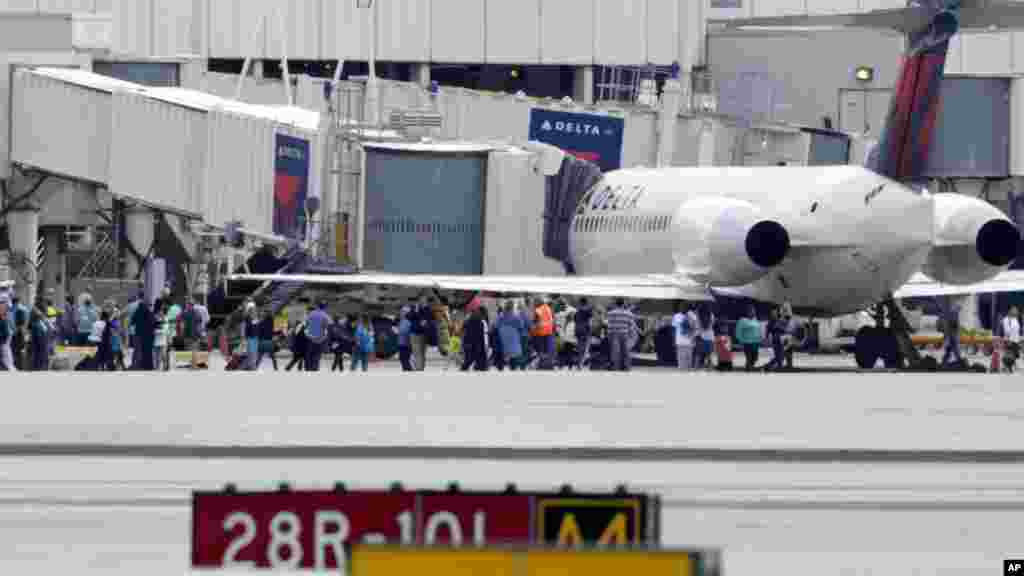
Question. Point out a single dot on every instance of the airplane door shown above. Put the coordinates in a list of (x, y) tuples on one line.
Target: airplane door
[(853, 111)]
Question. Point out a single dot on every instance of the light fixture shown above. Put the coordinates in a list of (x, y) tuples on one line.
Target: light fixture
[(865, 74)]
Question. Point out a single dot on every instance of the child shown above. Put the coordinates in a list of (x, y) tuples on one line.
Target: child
[(364, 345), (723, 349), (117, 353)]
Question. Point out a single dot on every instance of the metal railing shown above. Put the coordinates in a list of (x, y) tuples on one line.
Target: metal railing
[(104, 253)]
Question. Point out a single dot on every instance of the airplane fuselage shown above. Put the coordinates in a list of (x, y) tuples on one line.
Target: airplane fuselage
[(856, 236)]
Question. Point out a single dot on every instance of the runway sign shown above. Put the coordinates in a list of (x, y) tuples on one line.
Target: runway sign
[(393, 561), (608, 521), (312, 529)]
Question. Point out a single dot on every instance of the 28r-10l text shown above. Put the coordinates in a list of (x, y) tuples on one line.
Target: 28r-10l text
[(331, 529)]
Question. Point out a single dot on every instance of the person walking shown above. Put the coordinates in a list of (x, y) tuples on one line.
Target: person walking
[(951, 335), (544, 334), (418, 334), (364, 345), (474, 342), (796, 335), (160, 340), (510, 330), (318, 326), (622, 329), (251, 337), (776, 333), (342, 342), (1011, 335), (40, 341), (496, 356), (6, 356), (584, 331), (748, 335), (404, 346), (684, 335), (69, 322), (87, 316), (704, 338), (117, 341), (298, 343), (20, 342), (266, 334), (144, 322), (443, 321), (133, 337)]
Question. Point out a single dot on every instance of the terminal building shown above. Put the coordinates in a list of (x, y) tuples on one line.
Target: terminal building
[(213, 134)]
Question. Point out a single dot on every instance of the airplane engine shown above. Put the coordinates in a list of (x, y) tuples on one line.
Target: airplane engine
[(729, 239), (974, 241)]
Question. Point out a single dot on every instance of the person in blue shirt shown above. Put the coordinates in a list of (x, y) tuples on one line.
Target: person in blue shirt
[(116, 344), (318, 326), (364, 345), (510, 331), (87, 317), (404, 341)]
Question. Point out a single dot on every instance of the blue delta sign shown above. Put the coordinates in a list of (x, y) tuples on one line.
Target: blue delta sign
[(590, 137)]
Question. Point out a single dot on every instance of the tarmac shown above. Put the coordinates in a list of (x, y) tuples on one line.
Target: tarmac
[(808, 473)]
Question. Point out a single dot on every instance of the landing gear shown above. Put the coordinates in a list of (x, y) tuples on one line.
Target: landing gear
[(891, 344)]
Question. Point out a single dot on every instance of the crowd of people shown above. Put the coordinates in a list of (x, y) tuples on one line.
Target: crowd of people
[(521, 333), (29, 336)]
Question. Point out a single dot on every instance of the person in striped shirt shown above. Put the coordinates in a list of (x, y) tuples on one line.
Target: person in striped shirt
[(622, 330)]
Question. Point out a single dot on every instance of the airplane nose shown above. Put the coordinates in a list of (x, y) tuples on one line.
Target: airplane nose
[(767, 243), (997, 242)]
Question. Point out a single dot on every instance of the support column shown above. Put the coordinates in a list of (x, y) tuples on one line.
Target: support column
[(668, 116), (706, 143), (421, 75), (55, 267), (140, 232), (583, 90), (23, 228)]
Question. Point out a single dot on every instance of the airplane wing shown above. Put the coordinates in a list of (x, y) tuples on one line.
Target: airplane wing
[(921, 285), (646, 287)]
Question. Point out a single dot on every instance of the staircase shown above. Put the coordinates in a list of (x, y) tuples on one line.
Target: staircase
[(222, 304), (225, 308), (102, 262)]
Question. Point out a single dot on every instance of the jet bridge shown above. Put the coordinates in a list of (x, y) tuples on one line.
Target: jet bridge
[(186, 155)]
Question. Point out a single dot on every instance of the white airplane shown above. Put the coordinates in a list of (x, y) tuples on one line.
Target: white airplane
[(830, 240)]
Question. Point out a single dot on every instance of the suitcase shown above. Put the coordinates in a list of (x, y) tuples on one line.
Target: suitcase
[(235, 362)]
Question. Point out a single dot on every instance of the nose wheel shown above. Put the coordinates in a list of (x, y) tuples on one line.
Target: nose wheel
[(874, 343)]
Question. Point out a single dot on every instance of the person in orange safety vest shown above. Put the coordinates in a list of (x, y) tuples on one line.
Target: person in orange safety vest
[(544, 334)]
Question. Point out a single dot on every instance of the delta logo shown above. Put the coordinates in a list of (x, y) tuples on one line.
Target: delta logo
[(289, 153), (575, 128)]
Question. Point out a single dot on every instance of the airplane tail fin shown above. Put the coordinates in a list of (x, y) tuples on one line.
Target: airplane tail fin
[(902, 151)]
